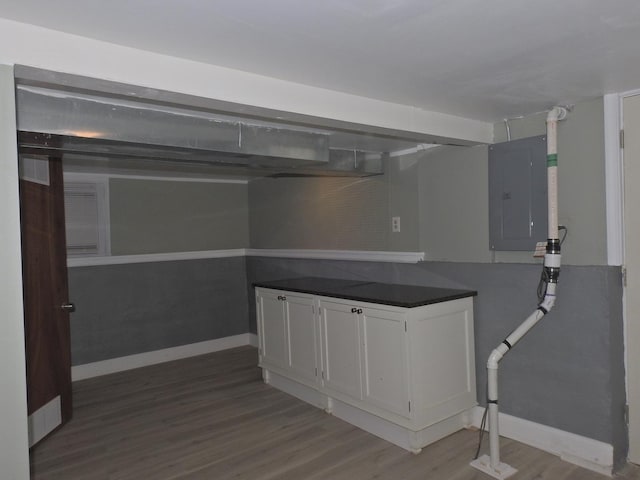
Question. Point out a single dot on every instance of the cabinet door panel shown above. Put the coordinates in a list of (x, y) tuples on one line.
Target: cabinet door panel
[(445, 341), (273, 342), (341, 347), (384, 360), (302, 336)]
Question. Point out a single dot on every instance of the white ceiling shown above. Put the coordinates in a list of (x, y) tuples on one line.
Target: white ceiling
[(485, 60)]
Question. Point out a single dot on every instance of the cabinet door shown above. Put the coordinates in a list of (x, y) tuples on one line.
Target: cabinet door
[(384, 360), (302, 337), (341, 349), (272, 329)]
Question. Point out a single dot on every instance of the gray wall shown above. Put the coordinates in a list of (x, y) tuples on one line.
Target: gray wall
[(454, 193), (151, 216), (319, 213), (141, 307), (337, 213), (404, 201), (568, 373), (454, 203), (441, 196), (581, 180)]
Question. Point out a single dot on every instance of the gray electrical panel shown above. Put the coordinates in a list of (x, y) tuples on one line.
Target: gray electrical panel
[(518, 194)]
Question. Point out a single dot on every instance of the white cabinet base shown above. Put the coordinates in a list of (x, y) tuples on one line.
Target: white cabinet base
[(298, 390), (403, 437)]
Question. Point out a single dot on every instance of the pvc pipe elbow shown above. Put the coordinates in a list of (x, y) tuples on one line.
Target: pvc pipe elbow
[(549, 299), (496, 356), (548, 302), (556, 113)]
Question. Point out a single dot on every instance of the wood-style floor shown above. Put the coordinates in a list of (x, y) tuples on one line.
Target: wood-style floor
[(211, 417)]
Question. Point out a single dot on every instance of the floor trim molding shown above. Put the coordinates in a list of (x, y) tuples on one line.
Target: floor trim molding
[(582, 451), (44, 420), (129, 362)]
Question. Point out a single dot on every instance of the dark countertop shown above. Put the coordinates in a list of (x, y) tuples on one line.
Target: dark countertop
[(407, 296)]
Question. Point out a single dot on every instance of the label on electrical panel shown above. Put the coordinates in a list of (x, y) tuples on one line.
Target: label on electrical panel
[(541, 250)]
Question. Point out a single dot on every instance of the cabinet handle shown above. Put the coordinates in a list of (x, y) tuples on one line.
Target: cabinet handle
[(359, 310), (354, 310), (281, 297)]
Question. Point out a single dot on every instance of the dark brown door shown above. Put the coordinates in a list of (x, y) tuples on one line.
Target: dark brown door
[(44, 265)]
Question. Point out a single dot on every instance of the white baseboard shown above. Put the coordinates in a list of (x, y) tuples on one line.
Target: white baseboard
[(44, 420), (585, 452), (113, 365), (402, 436)]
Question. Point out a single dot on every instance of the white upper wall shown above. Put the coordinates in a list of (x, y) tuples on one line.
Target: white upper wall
[(40, 47), (14, 446)]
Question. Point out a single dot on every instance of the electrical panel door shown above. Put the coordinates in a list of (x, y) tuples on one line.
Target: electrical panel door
[(518, 194)]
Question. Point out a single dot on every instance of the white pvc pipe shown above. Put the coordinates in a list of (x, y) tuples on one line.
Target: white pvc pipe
[(556, 114), (551, 263), (494, 436)]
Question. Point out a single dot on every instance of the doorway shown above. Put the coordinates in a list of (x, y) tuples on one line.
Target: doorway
[(46, 295)]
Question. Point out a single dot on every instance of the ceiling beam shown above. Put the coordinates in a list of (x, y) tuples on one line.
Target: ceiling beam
[(282, 100)]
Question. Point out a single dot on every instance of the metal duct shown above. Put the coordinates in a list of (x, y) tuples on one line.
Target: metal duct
[(342, 163), (129, 156), (56, 121)]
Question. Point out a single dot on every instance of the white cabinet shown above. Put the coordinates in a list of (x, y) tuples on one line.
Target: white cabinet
[(287, 330), (272, 329), (404, 374), (301, 334), (341, 368), (364, 353), (384, 360)]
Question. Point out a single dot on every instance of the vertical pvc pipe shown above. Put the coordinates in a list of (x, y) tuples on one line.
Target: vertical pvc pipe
[(494, 434), (492, 465), (552, 170)]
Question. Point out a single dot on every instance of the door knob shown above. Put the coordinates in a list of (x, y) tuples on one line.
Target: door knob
[(68, 307)]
